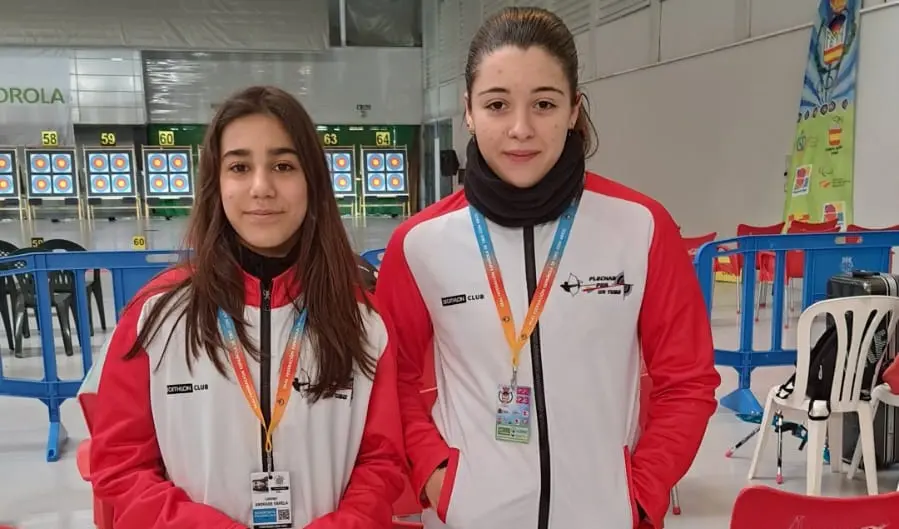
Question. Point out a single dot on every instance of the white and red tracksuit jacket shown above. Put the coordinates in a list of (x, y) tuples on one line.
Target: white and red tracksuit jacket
[(173, 448), (625, 295)]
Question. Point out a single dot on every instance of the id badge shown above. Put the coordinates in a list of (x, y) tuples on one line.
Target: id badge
[(270, 493), (513, 414)]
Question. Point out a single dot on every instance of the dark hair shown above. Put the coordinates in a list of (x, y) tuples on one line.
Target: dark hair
[(524, 27), (325, 263)]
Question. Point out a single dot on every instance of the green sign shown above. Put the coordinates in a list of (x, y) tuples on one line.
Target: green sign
[(31, 96)]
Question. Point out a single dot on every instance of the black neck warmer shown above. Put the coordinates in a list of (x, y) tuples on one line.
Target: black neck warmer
[(516, 207), (262, 267)]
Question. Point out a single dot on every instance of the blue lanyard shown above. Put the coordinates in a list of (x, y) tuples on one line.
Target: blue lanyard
[(517, 339)]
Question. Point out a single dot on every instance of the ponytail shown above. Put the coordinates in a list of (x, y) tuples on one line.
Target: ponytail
[(584, 127)]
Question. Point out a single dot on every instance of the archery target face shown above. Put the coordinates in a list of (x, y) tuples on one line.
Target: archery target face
[(39, 163), (120, 162), (342, 182), (374, 162), (157, 162), (62, 163), (121, 183), (395, 162), (100, 183), (396, 182), (178, 183), (159, 184), (63, 185), (177, 162), (376, 182), (41, 184), (98, 163), (6, 164), (341, 162), (7, 174)]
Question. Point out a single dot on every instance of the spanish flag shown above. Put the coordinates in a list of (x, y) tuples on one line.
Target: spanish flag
[(835, 135), (833, 53)]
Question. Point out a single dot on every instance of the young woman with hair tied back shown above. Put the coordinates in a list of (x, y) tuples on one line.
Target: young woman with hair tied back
[(255, 384), (541, 291)]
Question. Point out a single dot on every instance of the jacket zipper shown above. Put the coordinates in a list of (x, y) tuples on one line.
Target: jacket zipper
[(530, 268), (265, 370)]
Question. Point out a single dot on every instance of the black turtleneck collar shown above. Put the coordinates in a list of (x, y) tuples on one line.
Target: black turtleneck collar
[(516, 207), (262, 267)]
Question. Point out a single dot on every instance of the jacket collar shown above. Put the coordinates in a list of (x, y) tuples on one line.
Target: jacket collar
[(279, 273)]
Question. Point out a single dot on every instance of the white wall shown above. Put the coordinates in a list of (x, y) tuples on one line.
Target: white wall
[(877, 119), (695, 102), (708, 135)]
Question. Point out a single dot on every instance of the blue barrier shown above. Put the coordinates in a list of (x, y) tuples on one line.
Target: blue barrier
[(373, 256), (826, 255), (130, 271)]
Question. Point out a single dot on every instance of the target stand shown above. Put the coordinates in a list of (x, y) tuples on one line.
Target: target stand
[(110, 179), (10, 192), (342, 167), (385, 179), (168, 177), (52, 179)]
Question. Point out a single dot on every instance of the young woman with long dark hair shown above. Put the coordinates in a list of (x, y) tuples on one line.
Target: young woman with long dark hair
[(255, 384), (542, 289)]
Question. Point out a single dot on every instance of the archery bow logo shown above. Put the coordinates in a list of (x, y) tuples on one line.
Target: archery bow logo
[(602, 285)]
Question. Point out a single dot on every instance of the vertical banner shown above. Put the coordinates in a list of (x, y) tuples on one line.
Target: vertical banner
[(35, 97), (821, 167)]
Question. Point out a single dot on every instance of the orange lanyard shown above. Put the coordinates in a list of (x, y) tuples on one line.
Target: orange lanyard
[(289, 363), (516, 340)]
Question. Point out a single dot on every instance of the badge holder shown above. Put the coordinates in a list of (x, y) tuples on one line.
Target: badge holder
[(513, 412), (270, 493)]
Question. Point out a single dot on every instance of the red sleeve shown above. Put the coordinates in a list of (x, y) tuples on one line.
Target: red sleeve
[(126, 465), (377, 479), (676, 340), (399, 296)]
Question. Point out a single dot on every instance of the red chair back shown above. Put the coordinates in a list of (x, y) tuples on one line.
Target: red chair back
[(692, 244), (744, 230), (760, 506), (856, 228), (798, 226), (796, 258), (747, 229)]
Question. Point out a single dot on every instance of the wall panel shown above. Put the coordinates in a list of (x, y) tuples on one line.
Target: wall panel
[(187, 87), (222, 25)]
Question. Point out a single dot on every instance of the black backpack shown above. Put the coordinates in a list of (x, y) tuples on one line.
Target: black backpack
[(822, 366), (368, 272)]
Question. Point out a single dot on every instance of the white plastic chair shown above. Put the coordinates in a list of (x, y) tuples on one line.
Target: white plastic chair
[(845, 397), (881, 394)]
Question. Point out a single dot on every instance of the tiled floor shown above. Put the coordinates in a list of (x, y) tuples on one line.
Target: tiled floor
[(35, 494)]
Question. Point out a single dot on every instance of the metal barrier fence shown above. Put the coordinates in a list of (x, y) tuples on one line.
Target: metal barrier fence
[(129, 270), (825, 255)]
